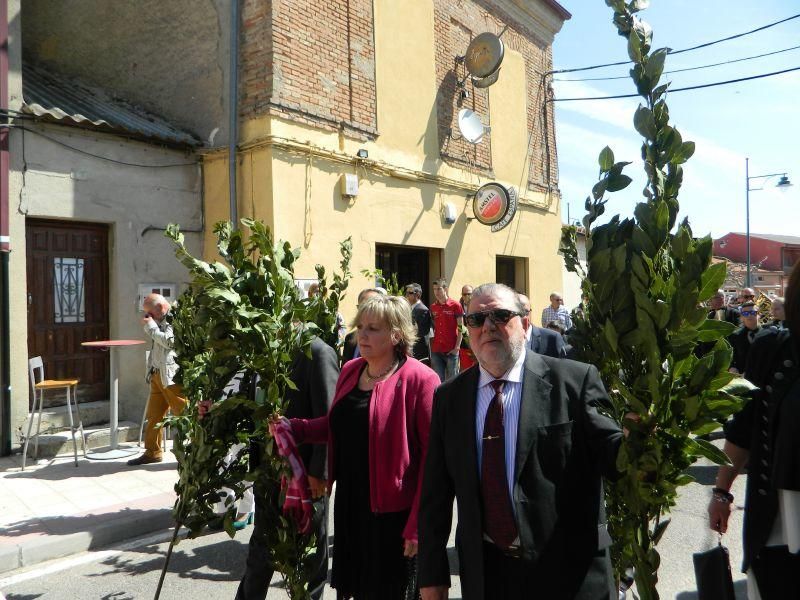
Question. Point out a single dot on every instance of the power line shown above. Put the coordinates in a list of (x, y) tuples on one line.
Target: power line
[(112, 160), (727, 62), (670, 51), (683, 89)]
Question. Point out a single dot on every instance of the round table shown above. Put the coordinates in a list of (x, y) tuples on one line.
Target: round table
[(113, 420)]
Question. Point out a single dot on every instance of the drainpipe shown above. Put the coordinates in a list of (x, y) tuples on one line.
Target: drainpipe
[(233, 98), (5, 242)]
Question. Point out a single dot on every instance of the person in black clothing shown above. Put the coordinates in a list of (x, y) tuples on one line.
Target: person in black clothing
[(421, 317), (719, 312), (778, 314), (741, 339), (315, 379), (765, 437)]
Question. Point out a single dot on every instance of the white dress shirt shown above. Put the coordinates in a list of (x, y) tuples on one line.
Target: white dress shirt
[(512, 397)]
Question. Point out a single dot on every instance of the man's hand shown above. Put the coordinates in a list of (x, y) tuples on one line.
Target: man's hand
[(433, 593), (203, 407), (718, 514), (148, 321), (319, 487), (455, 351)]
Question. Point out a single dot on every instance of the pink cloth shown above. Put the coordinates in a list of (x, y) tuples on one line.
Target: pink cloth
[(399, 425), (297, 504)]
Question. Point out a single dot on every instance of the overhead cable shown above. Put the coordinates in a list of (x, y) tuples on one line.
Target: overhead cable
[(727, 62), (682, 89), (98, 156), (670, 51)]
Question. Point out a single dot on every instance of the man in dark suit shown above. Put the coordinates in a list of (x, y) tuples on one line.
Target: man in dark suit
[(421, 316), (719, 312), (539, 339), (521, 445), (741, 339), (315, 379)]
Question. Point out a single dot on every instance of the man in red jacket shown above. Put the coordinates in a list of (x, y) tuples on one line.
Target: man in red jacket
[(447, 321)]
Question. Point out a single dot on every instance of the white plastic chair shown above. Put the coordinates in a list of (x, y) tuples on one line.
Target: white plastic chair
[(38, 385)]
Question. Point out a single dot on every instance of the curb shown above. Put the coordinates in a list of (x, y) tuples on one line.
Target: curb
[(40, 549)]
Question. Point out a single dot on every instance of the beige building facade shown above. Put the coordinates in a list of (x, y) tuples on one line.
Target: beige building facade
[(397, 96)]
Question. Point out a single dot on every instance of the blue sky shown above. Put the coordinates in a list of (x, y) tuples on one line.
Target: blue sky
[(758, 119)]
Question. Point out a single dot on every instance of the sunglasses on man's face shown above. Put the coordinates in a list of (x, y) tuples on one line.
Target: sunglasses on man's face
[(499, 316), (749, 313)]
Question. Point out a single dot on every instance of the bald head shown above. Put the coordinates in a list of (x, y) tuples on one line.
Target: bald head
[(156, 305)]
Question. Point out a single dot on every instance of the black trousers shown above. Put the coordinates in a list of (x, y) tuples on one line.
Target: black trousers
[(776, 573), (507, 578), (259, 570)]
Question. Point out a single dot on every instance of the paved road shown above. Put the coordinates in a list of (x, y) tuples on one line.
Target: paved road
[(210, 567)]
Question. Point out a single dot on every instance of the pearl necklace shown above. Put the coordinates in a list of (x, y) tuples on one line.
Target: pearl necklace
[(386, 372)]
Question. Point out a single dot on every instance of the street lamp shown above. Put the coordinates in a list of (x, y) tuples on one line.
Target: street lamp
[(782, 184)]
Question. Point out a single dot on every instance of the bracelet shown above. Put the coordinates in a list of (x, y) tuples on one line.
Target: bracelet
[(723, 495)]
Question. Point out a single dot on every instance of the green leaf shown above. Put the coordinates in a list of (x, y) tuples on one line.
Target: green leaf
[(610, 334), (606, 159), (619, 182), (739, 386), (709, 451), (599, 188), (660, 529), (683, 153), (711, 330), (644, 122), (655, 65)]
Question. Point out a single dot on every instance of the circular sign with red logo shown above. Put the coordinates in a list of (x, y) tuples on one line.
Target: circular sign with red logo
[(491, 203), (495, 205)]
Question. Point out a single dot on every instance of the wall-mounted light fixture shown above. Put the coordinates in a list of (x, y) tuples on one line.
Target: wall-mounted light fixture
[(362, 153)]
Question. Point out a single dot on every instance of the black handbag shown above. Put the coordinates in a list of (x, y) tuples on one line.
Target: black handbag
[(712, 571), (412, 590)]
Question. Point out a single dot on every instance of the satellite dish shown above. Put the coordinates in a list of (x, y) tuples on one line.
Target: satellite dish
[(470, 126), (486, 81), (484, 55)]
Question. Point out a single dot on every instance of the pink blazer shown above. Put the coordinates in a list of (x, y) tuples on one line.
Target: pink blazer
[(399, 424)]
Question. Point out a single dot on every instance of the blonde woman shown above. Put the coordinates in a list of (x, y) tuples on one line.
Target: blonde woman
[(377, 436)]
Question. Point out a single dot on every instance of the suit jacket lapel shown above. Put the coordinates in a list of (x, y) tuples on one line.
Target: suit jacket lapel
[(469, 392), (533, 408)]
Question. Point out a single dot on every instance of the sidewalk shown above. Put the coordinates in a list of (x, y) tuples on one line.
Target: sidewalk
[(55, 509)]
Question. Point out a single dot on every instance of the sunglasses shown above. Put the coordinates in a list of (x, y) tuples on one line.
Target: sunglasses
[(499, 316), (749, 313)]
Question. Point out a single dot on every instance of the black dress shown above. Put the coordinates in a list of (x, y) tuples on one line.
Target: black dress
[(368, 560)]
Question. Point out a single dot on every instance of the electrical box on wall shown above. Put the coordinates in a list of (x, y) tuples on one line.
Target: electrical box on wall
[(449, 213), (349, 184)]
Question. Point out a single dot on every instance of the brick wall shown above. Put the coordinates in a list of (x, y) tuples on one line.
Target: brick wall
[(313, 61), (456, 22), (310, 61)]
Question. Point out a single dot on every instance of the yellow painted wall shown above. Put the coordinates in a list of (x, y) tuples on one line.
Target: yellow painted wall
[(298, 191)]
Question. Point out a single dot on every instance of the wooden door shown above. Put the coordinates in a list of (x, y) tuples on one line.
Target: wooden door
[(67, 265)]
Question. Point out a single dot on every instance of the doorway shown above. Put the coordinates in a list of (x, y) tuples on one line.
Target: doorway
[(410, 264), (512, 271), (67, 268)]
